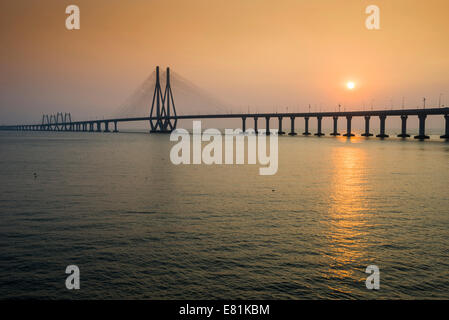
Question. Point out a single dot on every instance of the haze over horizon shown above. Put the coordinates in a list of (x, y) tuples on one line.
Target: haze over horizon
[(263, 55)]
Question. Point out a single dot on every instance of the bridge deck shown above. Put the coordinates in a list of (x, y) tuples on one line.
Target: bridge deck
[(408, 112)]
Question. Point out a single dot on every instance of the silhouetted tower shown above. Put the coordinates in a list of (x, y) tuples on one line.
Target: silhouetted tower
[(161, 107), (169, 124)]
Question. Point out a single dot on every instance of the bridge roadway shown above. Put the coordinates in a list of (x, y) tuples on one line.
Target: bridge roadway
[(96, 125)]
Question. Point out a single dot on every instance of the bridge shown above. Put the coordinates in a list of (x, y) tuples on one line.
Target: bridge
[(163, 119)]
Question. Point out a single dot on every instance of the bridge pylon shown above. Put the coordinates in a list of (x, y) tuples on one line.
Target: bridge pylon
[(163, 107)]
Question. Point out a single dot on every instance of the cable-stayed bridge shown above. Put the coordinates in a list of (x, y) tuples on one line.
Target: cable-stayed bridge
[(163, 117)]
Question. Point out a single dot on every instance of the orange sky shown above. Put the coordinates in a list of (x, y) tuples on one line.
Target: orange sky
[(264, 53)]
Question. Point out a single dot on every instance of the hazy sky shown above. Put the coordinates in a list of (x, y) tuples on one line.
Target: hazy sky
[(268, 54)]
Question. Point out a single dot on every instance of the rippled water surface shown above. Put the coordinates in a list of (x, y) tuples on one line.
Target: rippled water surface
[(138, 226)]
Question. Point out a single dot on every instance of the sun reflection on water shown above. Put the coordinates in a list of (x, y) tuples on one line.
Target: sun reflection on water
[(347, 220)]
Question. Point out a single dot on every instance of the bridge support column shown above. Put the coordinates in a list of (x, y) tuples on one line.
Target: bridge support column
[(319, 120), (244, 124), (422, 127), (382, 127), (255, 125), (292, 127), (280, 126), (306, 125), (106, 126), (91, 127), (335, 133), (267, 126), (348, 127), (403, 127), (98, 126), (115, 126), (446, 134), (367, 133)]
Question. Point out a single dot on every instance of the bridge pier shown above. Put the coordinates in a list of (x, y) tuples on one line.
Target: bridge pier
[(98, 126), (306, 125), (319, 120), (106, 126), (292, 127), (446, 134), (267, 126), (280, 126), (115, 126), (244, 124), (382, 127), (422, 127), (255, 125), (403, 127), (335, 133), (367, 133), (348, 127), (91, 127)]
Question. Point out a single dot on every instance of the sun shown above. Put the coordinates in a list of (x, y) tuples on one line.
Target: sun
[(350, 85)]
